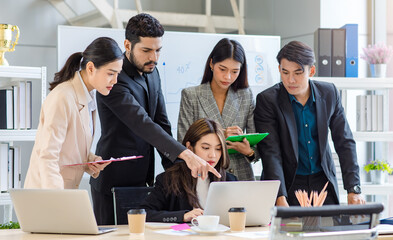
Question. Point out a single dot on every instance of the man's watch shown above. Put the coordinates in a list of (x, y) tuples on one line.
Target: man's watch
[(355, 189)]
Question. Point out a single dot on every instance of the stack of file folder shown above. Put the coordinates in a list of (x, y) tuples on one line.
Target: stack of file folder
[(336, 51)]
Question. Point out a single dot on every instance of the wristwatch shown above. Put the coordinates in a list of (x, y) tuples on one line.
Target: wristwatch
[(355, 189)]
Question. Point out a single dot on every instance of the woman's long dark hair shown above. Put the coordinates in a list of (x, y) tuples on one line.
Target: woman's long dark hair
[(178, 178), (101, 51), (225, 49)]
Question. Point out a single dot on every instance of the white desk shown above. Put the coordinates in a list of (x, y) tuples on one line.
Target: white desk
[(123, 234)]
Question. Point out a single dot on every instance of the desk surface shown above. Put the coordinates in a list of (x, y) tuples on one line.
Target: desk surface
[(123, 233)]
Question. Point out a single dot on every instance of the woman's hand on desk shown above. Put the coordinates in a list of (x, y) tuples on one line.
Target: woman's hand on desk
[(96, 167), (188, 216)]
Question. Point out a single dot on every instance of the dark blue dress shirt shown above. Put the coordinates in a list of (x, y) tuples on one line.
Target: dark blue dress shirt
[(306, 122)]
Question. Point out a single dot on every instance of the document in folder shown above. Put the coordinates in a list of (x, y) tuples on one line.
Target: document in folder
[(253, 138), (109, 160)]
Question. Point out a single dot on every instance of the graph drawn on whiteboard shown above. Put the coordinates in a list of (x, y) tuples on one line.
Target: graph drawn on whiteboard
[(181, 76), (259, 69)]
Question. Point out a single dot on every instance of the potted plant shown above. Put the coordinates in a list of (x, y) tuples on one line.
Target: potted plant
[(377, 55), (378, 170)]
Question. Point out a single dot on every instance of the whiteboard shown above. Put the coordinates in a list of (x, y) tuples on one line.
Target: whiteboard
[(183, 58)]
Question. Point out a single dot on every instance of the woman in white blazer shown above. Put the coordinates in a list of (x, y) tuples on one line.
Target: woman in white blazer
[(224, 96), (66, 126)]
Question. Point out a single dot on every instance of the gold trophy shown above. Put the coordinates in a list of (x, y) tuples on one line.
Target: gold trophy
[(5, 41)]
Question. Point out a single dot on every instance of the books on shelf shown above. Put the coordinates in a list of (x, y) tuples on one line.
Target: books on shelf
[(16, 106), (6, 109), (379, 113), (360, 113), (16, 167), (10, 167), (369, 113), (4, 166)]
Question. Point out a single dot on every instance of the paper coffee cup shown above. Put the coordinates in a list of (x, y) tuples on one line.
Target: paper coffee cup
[(136, 221), (237, 219)]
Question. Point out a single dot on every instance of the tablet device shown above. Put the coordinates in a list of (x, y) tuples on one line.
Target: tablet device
[(253, 138), (109, 160)]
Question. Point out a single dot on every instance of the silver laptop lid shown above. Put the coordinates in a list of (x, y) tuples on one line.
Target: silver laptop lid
[(54, 211), (258, 197)]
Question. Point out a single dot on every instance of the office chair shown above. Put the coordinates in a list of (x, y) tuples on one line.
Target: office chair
[(126, 198)]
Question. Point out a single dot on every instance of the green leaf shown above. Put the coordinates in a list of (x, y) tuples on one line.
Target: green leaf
[(10, 225), (378, 165)]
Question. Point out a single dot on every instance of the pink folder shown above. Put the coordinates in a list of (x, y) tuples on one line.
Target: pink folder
[(109, 160)]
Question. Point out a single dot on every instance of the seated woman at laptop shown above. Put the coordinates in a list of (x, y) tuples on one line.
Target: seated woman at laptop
[(177, 196), (66, 128)]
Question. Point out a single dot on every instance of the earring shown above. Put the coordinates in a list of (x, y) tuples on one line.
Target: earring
[(211, 69)]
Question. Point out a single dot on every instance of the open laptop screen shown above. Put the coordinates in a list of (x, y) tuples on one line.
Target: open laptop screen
[(258, 197), (55, 211)]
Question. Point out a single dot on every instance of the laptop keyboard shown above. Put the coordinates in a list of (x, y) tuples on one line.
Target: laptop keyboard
[(106, 229)]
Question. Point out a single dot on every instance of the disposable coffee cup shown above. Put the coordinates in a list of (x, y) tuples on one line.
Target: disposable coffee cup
[(136, 221), (237, 219)]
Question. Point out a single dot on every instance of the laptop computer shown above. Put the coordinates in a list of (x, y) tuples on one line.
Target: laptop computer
[(55, 211), (257, 197)]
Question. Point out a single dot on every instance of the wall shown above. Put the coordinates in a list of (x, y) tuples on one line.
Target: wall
[(389, 41), (296, 20)]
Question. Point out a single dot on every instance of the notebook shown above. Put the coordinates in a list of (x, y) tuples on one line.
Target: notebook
[(55, 211), (257, 197), (253, 138)]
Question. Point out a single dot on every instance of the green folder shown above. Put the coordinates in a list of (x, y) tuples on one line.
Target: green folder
[(253, 138)]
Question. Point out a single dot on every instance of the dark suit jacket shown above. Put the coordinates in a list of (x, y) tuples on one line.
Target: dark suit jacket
[(161, 207), (133, 121), (279, 151)]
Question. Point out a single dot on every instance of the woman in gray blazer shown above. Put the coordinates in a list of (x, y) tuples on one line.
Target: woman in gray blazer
[(224, 96)]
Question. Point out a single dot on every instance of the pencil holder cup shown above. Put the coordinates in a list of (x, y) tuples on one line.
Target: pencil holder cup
[(311, 223)]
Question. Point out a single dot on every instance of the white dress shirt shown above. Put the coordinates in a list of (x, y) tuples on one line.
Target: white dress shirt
[(202, 188), (91, 98)]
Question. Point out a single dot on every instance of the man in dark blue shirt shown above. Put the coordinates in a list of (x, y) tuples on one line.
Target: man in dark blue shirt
[(298, 114)]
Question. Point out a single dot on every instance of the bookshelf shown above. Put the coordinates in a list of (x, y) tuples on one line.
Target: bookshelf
[(382, 86), (10, 76), (358, 83)]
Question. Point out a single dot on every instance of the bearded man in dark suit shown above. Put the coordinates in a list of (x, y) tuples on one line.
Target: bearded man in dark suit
[(134, 121)]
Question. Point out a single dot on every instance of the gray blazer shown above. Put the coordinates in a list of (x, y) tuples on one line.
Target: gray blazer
[(274, 114), (198, 102)]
